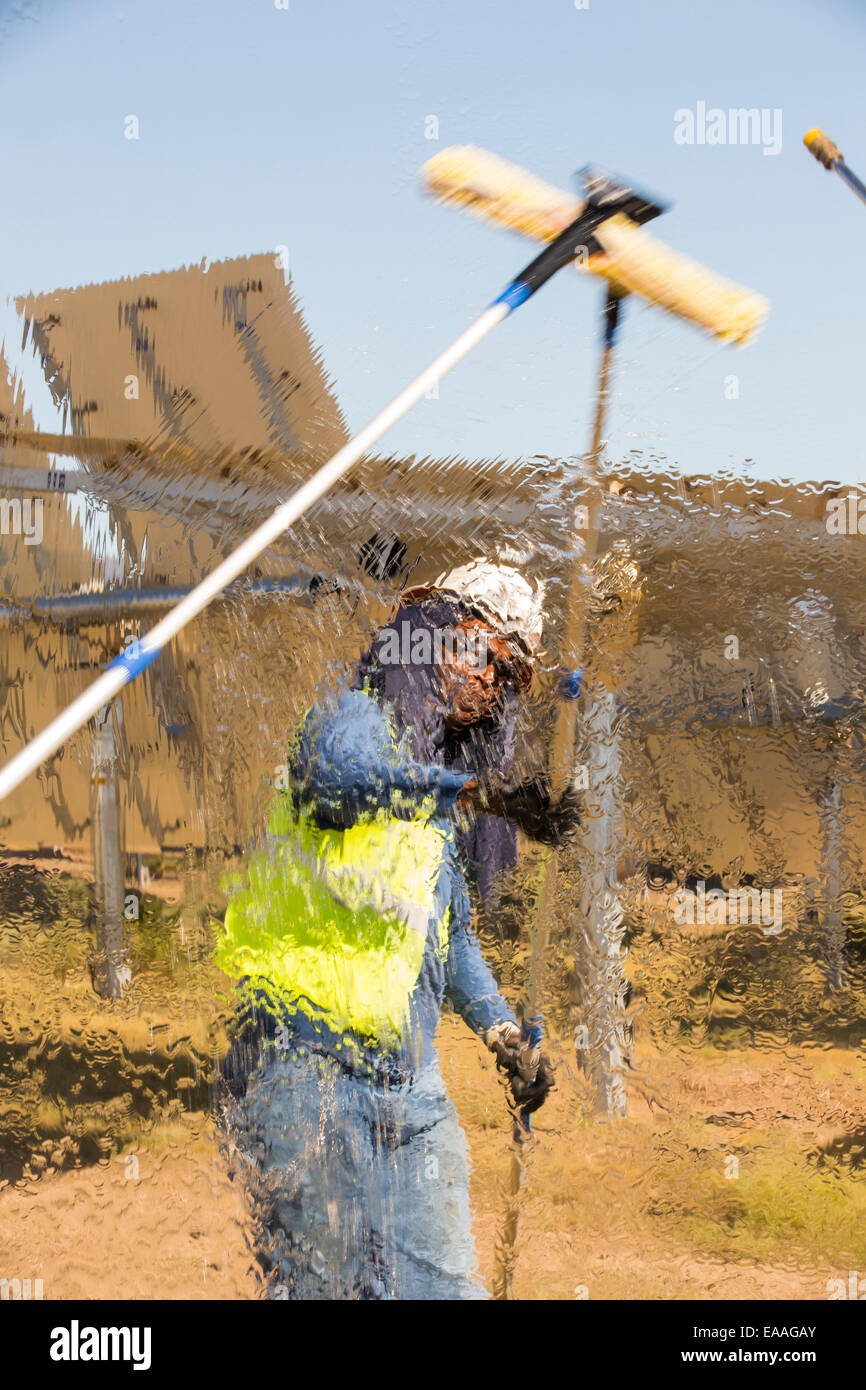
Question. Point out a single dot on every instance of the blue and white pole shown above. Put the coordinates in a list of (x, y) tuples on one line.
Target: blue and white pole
[(138, 656)]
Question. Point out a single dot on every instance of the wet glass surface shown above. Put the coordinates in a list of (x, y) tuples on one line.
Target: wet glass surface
[(694, 939)]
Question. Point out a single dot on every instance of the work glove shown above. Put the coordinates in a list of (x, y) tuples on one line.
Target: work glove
[(518, 1054), (532, 809)]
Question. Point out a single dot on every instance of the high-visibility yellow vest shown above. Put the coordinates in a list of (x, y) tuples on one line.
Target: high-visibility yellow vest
[(337, 920)]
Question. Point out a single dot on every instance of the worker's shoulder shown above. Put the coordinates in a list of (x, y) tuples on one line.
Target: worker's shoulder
[(346, 762), (343, 723)]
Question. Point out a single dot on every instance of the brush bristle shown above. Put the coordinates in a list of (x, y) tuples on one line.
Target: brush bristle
[(503, 193), (644, 266), (499, 192)]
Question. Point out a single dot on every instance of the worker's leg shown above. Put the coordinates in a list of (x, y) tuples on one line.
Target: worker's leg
[(430, 1244), (305, 1145), (357, 1191)]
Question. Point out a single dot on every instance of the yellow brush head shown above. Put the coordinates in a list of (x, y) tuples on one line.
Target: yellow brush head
[(500, 192), (631, 260)]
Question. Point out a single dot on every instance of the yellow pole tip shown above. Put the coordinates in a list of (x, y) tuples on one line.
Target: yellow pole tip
[(822, 147)]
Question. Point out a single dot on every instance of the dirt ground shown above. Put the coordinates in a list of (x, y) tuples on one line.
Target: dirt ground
[(733, 1176)]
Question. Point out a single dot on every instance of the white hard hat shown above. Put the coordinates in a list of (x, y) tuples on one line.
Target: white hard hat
[(500, 595)]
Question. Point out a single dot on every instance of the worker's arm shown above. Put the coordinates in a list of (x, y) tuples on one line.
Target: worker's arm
[(469, 981), (530, 804), (531, 808), (470, 986)]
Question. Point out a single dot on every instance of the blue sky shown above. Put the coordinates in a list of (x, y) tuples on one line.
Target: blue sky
[(306, 127)]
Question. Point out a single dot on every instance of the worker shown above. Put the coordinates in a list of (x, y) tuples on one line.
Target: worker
[(351, 928), (485, 599)]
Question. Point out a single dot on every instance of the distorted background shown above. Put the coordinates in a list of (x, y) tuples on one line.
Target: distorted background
[(195, 318)]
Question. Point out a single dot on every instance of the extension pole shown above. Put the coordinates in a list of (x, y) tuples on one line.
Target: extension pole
[(574, 634), (829, 154), (561, 769), (573, 639), (140, 654)]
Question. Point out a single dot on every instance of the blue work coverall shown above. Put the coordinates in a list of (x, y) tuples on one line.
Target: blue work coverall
[(353, 1154)]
